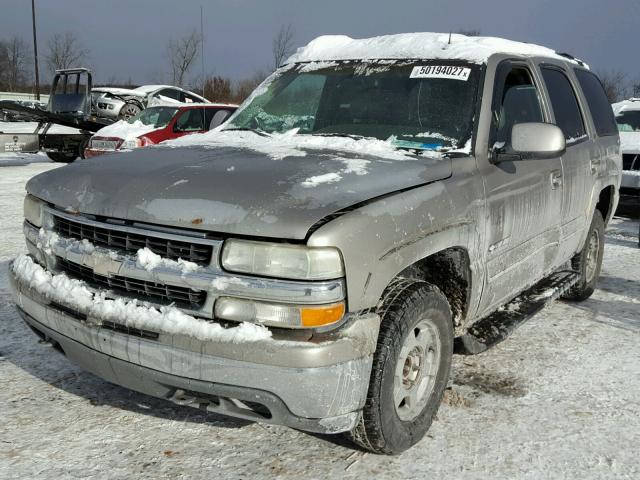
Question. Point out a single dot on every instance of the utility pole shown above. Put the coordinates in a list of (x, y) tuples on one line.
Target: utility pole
[(202, 48), (35, 48)]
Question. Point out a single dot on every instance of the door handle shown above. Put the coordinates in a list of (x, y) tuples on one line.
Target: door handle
[(556, 179)]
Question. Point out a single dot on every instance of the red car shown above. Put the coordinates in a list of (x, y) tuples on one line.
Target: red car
[(156, 124)]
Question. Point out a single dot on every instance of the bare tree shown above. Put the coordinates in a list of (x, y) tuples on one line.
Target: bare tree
[(282, 44), (217, 89), (223, 89), (17, 71), (245, 87), (182, 53), (615, 84), (64, 51), (4, 64)]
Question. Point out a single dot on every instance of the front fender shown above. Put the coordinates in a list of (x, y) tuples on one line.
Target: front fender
[(381, 239)]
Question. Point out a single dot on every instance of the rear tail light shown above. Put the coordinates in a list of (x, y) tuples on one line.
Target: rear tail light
[(138, 142), (144, 142)]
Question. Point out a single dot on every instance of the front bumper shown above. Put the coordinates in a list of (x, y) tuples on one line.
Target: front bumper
[(313, 386), (630, 190)]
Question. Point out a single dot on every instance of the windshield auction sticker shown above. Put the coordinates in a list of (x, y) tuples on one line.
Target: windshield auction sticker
[(441, 71)]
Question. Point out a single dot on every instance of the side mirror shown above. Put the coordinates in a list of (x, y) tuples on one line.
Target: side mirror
[(537, 140)]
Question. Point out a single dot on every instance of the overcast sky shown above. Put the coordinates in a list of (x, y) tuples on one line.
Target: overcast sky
[(127, 38)]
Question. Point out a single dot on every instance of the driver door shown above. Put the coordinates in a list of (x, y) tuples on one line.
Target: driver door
[(524, 195)]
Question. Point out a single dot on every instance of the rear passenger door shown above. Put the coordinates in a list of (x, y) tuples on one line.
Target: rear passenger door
[(581, 156), (605, 129)]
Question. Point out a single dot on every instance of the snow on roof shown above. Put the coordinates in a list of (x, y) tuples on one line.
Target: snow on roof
[(175, 104), (626, 105), (115, 90), (205, 105), (152, 88), (416, 45)]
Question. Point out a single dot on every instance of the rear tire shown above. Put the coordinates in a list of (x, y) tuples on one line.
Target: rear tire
[(410, 368), (62, 157), (588, 262)]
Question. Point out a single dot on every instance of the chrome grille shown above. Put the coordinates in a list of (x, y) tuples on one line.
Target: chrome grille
[(154, 292), (130, 242), (135, 332)]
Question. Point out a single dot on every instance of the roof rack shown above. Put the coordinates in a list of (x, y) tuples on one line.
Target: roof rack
[(571, 57)]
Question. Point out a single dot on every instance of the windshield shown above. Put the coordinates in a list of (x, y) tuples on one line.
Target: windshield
[(629, 121), (416, 104), (154, 116)]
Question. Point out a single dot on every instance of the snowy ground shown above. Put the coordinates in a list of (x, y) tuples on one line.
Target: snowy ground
[(559, 399)]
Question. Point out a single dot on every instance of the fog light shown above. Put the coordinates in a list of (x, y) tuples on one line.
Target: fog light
[(278, 315)]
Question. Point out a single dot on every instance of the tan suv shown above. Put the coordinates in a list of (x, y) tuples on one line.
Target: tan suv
[(373, 206)]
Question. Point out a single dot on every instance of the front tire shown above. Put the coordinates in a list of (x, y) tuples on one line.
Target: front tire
[(588, 262), (129, 109), (410, 368)]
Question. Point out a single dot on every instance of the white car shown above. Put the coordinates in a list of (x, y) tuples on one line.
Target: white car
[(627, 115), (124, 103)]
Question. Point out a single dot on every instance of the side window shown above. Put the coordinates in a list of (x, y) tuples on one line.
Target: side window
[(191, 99), (516, 101), (564, 104), (190, 121), (168, 93), (598, 103), (215, 117)]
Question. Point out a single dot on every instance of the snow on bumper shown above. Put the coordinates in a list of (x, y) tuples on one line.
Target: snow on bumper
[(311, 386)]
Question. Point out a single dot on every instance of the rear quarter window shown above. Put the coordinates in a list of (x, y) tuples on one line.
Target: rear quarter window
[(599, 106)]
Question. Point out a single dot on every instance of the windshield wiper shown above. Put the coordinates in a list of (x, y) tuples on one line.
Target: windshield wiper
[(345, 135), (257, 131)]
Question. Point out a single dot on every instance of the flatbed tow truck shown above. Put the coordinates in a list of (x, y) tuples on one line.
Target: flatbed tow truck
[(69, 106)]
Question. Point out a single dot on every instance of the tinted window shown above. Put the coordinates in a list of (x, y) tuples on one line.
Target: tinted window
[(517, 101), (564, 103), (598, 103), (629, 121), (190, 121)]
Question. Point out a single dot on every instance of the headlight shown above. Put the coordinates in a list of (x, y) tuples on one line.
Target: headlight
[(278, 315), (281, 260), (33, 210)]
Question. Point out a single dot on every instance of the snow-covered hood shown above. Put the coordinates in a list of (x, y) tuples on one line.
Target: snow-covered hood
[(125, 130), (233, 190), (630, 142)]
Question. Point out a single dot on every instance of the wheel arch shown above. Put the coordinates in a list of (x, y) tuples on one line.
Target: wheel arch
[(605, 203), (450, 271)]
